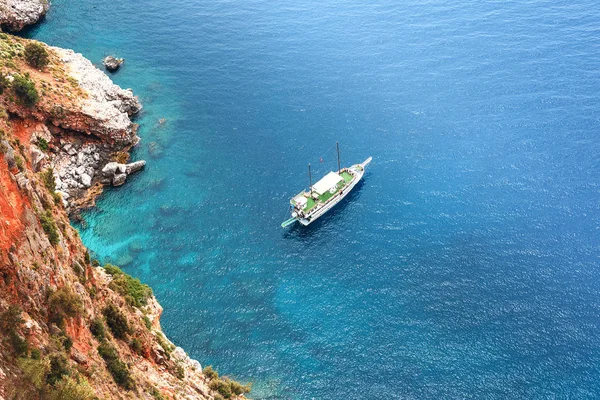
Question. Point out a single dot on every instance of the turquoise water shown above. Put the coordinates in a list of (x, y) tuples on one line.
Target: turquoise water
[(466, 265)]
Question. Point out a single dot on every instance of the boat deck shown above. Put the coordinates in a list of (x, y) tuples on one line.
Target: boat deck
[(311, 203)]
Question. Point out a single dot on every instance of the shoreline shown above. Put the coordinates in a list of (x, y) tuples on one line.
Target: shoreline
[(59, 153)]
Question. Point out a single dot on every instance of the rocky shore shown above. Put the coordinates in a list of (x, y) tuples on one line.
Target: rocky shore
[(70, 328)]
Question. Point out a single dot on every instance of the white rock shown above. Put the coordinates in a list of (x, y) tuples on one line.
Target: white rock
[(107, 104), (109, 169), (16, 14), (86, 180), (37, 156), (80, 170), (119, 179), (134, 167)]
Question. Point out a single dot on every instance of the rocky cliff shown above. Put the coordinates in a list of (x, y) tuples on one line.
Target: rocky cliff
[(70, 328)]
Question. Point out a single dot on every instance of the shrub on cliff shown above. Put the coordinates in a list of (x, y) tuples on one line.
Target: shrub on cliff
[(116, 367), (228, 388), (224, 386), (48, 178), (59, 367), (25, 90), (49, 227), (135, 292), (97, 329), (64, 304), (36, 55), (42, 144), (70, 388), (10, 322), (116, 321), (65, 387)]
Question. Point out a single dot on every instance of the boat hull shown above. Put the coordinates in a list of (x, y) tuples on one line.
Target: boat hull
[(360, 172)]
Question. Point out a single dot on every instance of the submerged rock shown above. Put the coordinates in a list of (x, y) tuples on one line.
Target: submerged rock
[(112, 64)]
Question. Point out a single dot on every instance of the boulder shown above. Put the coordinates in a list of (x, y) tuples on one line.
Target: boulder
[(86, 180), (110, 169), (112, 63), (16, 14), (37, 156), (134, 167), (119, 179)]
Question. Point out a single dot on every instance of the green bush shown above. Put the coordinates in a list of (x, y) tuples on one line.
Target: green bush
[(135, 292), (64, 304), (68, 343), (156, 394), (11, 319), (20, 163), (59, 367), (36, 354), (48, 179), (70, 388), (36, 55), (147, 322), (116, 321), (179, 372), (34, 370), (42, 144), (224, 386), (210, 373), (19, 344), (10, 322), (167, 347), (25, 90), (49, 226), (136, 346), (97, 329), (117, 368)]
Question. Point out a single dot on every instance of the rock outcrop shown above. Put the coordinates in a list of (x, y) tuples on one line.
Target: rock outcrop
[(105, 109), (112, 64), (81, 122), (17, 14)]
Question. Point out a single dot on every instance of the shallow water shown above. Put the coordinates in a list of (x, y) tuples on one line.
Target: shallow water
[(467, 262)]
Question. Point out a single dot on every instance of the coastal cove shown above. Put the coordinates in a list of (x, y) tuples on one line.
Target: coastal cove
[(465, 262)]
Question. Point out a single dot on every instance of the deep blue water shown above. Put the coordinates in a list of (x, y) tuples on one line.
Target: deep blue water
[(467, 265)]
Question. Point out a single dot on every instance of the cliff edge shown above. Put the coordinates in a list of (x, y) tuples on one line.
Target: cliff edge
[(70, 328)]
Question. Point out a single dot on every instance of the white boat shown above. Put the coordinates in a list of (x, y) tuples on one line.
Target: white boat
[(309, 205)]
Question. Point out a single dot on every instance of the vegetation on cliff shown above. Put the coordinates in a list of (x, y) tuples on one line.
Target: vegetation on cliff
[(69, 329)]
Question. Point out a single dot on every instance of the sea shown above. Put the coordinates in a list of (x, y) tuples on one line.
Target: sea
[(466, 265)]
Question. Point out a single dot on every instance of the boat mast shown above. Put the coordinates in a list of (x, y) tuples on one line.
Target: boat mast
[(337, 146), (309, 179)]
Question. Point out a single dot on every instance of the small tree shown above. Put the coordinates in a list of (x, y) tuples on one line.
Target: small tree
[(36, 55), (25, 90), (64, 304), (116, 321)]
